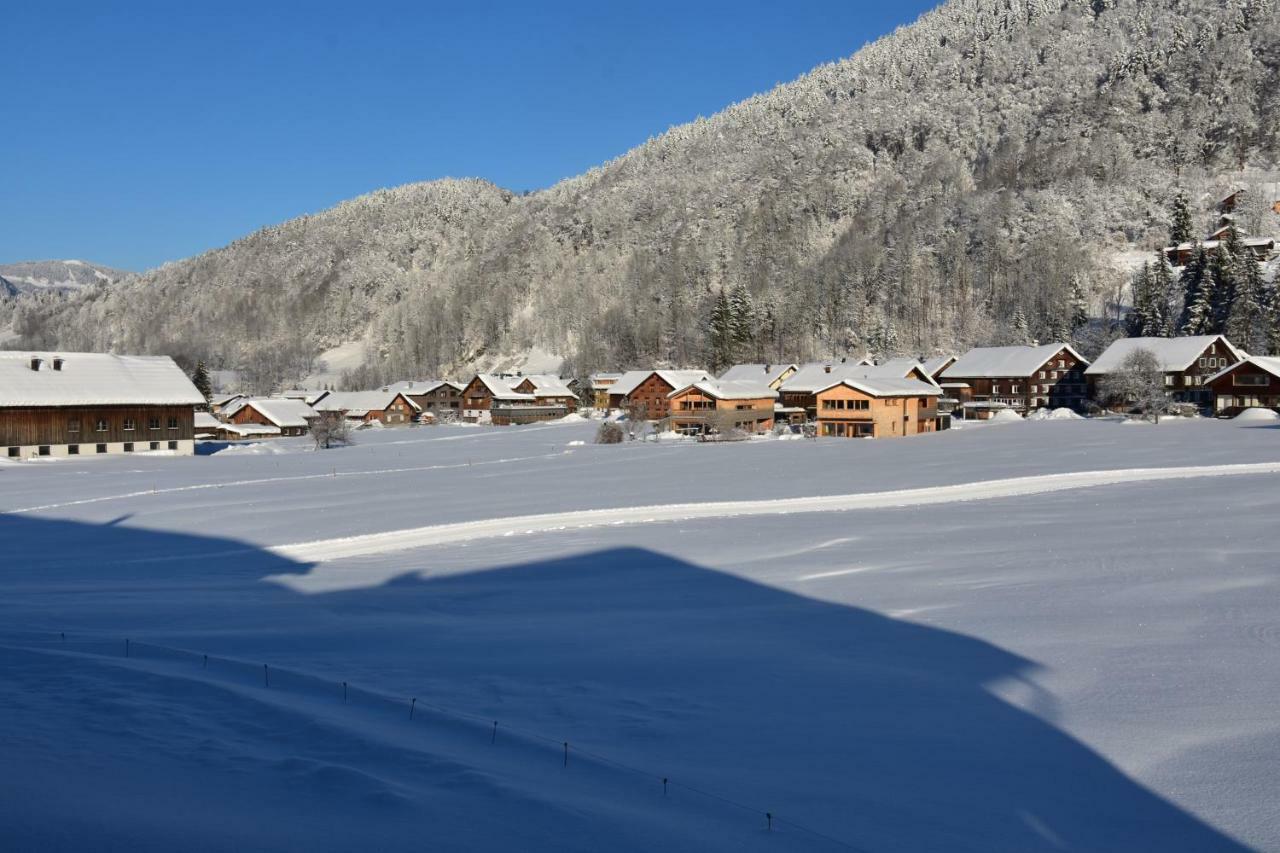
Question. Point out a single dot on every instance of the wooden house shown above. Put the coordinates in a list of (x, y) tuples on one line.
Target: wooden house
[(1187, 362), (218, 403), (1021, 378), (1253, 383), (718, 405), (70, 404), (934, 365), (799, 392), (1262, 249), (600, 385), (389, 408), (646, 392), (436, 399), (288, 416), (877, 407)]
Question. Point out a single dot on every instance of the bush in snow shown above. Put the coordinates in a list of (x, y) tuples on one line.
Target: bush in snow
[(331, 428), (609, 433), (1138, 385)]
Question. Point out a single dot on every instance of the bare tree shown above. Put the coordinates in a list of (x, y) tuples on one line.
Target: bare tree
[(637, 420), (609, 433), (1138, 385), (331, 428)]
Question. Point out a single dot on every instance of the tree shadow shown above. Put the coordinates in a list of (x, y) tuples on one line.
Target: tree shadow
[(882, 732)]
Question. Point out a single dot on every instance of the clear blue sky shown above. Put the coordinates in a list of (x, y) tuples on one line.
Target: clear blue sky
[(135, 133)]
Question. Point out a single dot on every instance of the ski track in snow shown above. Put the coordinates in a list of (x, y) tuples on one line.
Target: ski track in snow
[(325, 550)]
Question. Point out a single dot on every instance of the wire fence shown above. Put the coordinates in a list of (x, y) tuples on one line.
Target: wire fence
[(465, 724)]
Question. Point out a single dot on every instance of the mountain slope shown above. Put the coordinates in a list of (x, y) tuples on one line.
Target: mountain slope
[(54, 276), (980, 164)]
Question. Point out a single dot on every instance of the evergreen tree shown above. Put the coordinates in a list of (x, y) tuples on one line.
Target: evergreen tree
[(1200, 309), (1181, 229), (1272, 322), (1189, 283), (1245, 326), (1079, 309), (1227, 275), (1164, 294), (201, 380), (1140, 318), (720, 333), (1019, 331), (742, 321)]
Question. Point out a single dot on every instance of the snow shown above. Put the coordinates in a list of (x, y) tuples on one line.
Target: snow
[(730, 389), (757, 373), (88, 379), (1257, 416), (281, 411), (1060, 637), (1002, 362), (332, 363), (1065, 414), (1006, 415)]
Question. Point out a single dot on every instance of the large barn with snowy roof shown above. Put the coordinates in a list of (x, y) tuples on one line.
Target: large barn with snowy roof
[(1187, 362), (1018, 377), (70, 404)]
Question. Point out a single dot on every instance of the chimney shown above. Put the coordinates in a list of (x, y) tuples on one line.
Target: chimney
[(57, 362), (826, 368), (36, 361), (766, 367)]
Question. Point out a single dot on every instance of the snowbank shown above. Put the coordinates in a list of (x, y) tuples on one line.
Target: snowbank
[(1257, 416), (1006, 416), (1065, 414)]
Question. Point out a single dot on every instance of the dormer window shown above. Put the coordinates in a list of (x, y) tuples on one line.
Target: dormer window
[(58, 361), (36, 361)]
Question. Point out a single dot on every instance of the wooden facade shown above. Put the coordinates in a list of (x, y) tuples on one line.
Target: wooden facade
[(1245, 385), (695, 411), (83, 430), (249, 414), (1188, 385), (651, 397), (847, 412), (442, 403), (1058, 382)]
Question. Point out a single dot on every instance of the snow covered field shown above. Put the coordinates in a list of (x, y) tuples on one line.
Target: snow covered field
[(871, 640)]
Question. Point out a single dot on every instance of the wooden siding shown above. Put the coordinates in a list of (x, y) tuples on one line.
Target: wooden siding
[(1188, 386), (53, 425), (693, 410), (1057, 383), (1244, 387), (248, 414), (652, 394), (878, 417)]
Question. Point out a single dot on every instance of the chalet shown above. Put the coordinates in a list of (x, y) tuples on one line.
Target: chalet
[(287, 416), (72, 404), (1021, 378), (1253, 383), (799, 393), (220, 402), (877, 407), (308, 397), (772, 375), (552, 399), (1187, 362), (436, 399), (717, 405), (645, 392), (389, 408), (210, 428), (1227, 204), (1262, 248), (600, 385)]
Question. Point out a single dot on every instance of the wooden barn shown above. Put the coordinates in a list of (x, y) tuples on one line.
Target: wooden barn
[(288, 416), (1250, 384), (877, 407), (645, 392), (1021, 378), (389, 408), (720, 405), (1188, 363), (69, 404), (436, 399)]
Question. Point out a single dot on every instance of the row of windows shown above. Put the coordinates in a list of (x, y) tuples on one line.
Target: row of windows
[(857, 405), (128, 424), (74, 449), (1214, 362)]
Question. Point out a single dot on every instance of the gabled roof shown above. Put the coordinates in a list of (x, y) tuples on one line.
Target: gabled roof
[(728, 389), (361, 402), (1173, 354), (1001, 362), (933, 366), (421, 386), (545, 385), (223, 399), (1265, 363), (632, 379), (885, 386), (499, 387), (766, 373), (308, 397), (281, 411), (815, 376), (204, 420), (94, 379)]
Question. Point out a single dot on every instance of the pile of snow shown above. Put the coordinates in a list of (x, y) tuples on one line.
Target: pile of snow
[(1038, 415), (256, 448), (1257, 416), (1006, 415), (1065, 414), (572, 418), (575, 444)]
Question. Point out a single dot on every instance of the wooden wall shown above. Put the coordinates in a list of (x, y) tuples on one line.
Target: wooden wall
[(53, 425)]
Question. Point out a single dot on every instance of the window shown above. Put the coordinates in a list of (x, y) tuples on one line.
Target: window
[(101, 425), (128, 424), (1203, 361), (15, 452), (1169, 381), (173, 423), (101, 448), (1014, 389), (73, 450), (155, 445), (73, 426), (153, 423), (173, 445), (1062, 362), (1248, 379), (44, 450), (128, 447)]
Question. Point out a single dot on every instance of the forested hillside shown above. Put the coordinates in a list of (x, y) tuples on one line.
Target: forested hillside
[(969, 178)]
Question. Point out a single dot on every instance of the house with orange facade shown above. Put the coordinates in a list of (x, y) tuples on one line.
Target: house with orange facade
[(877, 407), (645, 392), (718, 405)]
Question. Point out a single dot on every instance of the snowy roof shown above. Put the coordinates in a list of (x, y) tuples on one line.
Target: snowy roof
[(308, 397), (545, 385), (204, 420), (1269, 364), (361, 402), (93, 379), (766, 373), (631, 380), (999, 362), (728, 389), (1210, 245), (224, 399), (601, 381), (421, 386), (887, 386), (1173, 354), (282, 411), (250, 429), (815, 376), (933, 365), (499, 387)]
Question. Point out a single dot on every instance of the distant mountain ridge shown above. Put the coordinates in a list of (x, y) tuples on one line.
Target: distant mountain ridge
[(55, 276), (962, 180)]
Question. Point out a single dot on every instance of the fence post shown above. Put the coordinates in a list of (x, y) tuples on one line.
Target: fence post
[(769, 817), (266, 678), (566, 753), (494, 738), (412, 702), (126, 647)]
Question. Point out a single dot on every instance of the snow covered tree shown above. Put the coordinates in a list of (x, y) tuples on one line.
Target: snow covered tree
[(200, 379), (721, 333), (1142, 318), (1181, 229), (1019, 331), (1200, 311), (742, 321), (1137, 385), (1164, 292), (1079, 310), (331, 428), (1246, 326)]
